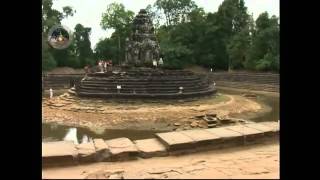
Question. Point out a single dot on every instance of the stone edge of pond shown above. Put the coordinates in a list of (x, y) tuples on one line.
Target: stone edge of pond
[(164, 144)]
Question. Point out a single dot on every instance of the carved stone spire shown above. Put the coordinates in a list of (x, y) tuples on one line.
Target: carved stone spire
[(142, 47)]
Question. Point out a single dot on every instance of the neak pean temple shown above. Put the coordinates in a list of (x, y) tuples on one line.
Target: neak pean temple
[(136, 78), (142, 47)]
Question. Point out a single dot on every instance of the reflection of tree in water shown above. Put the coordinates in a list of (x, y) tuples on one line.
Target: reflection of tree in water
[(49, 129), (54, 132)]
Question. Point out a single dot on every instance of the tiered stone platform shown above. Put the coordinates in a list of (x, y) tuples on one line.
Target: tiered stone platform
[(163, 144), (145, 83), (60, 81), (247, 80)]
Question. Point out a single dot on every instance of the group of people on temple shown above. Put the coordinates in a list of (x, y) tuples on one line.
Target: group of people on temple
[(156, 63), (104, 65)]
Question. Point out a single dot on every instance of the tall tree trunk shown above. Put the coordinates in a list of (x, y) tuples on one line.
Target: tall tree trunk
[(119, 49)]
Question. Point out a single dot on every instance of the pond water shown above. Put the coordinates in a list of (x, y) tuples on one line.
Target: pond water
[(54, 132)]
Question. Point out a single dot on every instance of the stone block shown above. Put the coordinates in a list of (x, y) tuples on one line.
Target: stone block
[(250, 134), (122, 149), (60, 152), (267, 130), (176, 141), (202, 137), (102, 150), (150, 148), (86, 151), (274, 125), (229, 137)]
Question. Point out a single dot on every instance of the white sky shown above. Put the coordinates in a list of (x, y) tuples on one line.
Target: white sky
[(89, 12)]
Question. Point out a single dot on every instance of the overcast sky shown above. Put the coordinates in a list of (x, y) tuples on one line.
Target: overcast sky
[(89, 12)]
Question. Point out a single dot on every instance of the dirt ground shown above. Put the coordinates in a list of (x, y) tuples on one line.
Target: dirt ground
[(260, 161), (98, 114)]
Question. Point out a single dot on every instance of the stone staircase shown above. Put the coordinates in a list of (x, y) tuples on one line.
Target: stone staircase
[(60, 81), (163, 144), (144, 84), (245, 80)]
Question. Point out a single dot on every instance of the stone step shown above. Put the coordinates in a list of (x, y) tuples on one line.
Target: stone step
[(226, 134), (174, 141), (86, 152), (122, 149), (248, 133), (150, 148), (55, 153), (170, 143), (202, 137), (107, 82), (146, 89), (147, 95)]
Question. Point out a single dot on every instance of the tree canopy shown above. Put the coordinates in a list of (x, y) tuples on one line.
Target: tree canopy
[(229, 39)]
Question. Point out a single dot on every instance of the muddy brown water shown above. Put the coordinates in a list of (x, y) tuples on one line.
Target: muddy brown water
[(54, 132)]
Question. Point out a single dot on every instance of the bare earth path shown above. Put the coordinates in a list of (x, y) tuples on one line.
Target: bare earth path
[(251, 162)]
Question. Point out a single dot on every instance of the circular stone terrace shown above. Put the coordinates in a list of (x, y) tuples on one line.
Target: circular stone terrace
[(145, 83)]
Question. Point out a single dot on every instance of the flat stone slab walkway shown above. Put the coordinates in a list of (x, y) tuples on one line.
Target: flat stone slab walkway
[(150, 148), (176, 140), (202, 137), (164, 144), (61, 151), (121, 148)]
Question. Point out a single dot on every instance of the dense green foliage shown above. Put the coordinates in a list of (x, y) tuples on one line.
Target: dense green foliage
[(118, 18), (78, 54), (228, 39)]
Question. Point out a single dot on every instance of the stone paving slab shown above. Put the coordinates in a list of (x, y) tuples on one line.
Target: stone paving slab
[(86, 151), (170, 143), (267, 130), (249, 134), (122, 148), (274, 125), (202, 137), (102, 150), (229, 137), (150, 148), (175, 140), (224, 133), (60, 151)]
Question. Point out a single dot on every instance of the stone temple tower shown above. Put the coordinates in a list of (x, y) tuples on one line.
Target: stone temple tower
[(142, 47)]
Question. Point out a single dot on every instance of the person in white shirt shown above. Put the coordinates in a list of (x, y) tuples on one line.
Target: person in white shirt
[(51, 93), (160, 62), (105, 66), (100, 66), (154, 63)]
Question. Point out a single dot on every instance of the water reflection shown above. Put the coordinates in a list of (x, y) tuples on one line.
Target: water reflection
[(53, 132), (71, 135), (86, 139)]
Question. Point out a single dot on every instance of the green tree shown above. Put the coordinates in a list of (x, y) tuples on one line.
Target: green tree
[(50, 17), (264, 51), (106, 49), (155, 16), (237, 49), (239, 41), (48, 61), (175, 11), (82, 44), (118, 18)]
